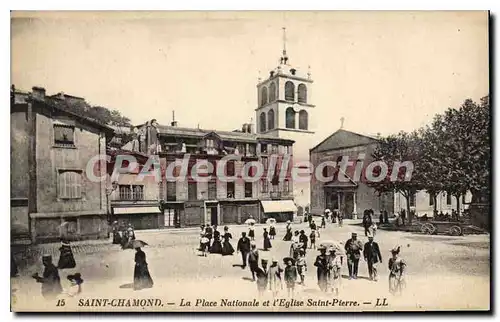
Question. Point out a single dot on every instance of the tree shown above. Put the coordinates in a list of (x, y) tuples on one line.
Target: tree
[(401, 149)]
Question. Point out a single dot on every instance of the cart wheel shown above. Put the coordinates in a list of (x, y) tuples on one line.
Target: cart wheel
[(428, 229), (455, 231)]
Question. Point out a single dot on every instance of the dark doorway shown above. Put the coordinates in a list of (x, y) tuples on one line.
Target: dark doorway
[(214, 216)]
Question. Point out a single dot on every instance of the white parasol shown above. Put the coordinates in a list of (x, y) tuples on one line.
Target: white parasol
[(338, 246), (250, 221), (271, 221)]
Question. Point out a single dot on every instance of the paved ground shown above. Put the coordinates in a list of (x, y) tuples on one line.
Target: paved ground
[(443, 272)]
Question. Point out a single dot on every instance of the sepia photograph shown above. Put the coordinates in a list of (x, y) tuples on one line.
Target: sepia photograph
[(250, 161)]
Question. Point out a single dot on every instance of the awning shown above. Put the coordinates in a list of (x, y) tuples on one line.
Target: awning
[(278, 206), (136, 210)]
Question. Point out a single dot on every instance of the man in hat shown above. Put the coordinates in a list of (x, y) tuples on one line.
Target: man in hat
[(353, 248), (371, 253), (290, 276), (303, 239), (51, 283), (253, 259), (243, 247)]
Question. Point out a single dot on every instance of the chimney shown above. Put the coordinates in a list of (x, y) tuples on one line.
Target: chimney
[(250, 128), (244, 128), (38, 93), (271, 73), (174, 122)]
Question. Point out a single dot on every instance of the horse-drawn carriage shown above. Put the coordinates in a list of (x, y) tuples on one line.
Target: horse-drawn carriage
[(453, 228)]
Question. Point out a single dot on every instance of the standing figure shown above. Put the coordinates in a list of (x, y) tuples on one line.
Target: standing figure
[(51, 283), (116, 233), (66, 258), (335, 266), (124, 239), (76, 285), (243, 247), (295, 242), (321, 263), (251, 231), (397, 267), (323, 222), (227, 248), (303, 239), (202, 234), (371, 253), (312, 238), (340, 217), (262, 278), (403, 216), (367, 221), (253, 259), (204, 244), (301, 266), (272, 231), (274, 277), (267, 241), (353, 248), (290, 276), (13, 266), (372, 230), (209, 233), (312, 225), (381, 218), (142, 278), (386, 217), (288, 235), (216, 245)]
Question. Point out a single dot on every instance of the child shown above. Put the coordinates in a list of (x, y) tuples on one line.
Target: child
[(323, 222), (290, 276), (312, 238), (335, 264), (272, 231), (205, 244), (302, 266), (396, 268), (372, 230)]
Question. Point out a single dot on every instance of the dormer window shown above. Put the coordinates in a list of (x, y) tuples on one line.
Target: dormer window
[(293, 71), (210, 146)]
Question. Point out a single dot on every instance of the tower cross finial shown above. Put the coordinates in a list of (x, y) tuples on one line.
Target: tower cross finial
[(342, 119), (284, 42)]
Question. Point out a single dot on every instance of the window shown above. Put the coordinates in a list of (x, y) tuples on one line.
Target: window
[(248, 190), (289, 91), (70, 184), (64, 134), (286, 186), (263, 96), (303, 120), (272, 92), (274, 149), (302, 93), (265, 186), (262, 122), (431, 199), (192, 191), (251, 149), (265, 163), (448, 198), (412, 200), (212, 190), (290, 118), (210, 146), (230, 189), (171, 191), (131, 192), (263, 148), (241, 148), (230, 168), (270, 120), (276, 188)]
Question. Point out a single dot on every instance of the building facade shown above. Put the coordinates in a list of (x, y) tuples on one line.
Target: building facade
[(190, 202), (50, 150)]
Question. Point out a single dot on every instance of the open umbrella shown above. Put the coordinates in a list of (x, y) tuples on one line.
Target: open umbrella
[(271, 221), (332, 244), (250, 221), (137, 243)]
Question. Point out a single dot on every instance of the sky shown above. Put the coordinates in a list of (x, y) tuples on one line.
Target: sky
[(382, 71)]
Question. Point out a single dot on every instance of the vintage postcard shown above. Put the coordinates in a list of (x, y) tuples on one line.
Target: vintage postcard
[(330, 161)]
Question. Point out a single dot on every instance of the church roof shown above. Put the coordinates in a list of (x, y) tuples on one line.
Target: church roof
[(343, 139)]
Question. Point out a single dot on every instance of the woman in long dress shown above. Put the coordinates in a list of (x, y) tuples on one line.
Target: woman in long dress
[(216, 245), (66, 258), (396, 275), (321, 263), (272, 231), (334, 266), (142, 278), (288, 235), (251, 232), (267, 241), (227, 248), (116, 233)]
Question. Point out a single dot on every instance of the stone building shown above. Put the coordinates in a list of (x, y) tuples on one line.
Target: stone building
[(50, 149), (191, 202)]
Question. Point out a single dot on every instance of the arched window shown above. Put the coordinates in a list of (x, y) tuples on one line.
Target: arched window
[(302, 93), (263, 96), (262, 122), (303, 120), (270, 120), (290, 118), (289, 91), (272, 92)]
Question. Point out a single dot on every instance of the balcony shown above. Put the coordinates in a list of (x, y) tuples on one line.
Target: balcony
[(275, 194)]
